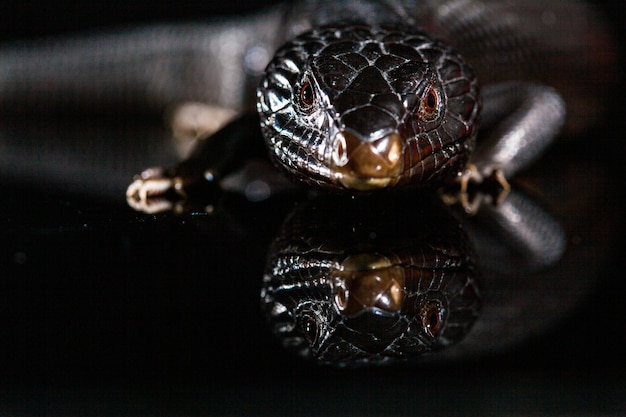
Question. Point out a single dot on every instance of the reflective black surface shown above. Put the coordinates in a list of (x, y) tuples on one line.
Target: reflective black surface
[(371, 281), (106, 307), (106, 311)]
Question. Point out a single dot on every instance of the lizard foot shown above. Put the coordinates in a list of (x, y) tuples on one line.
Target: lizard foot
[(472, 188), (153, 191)]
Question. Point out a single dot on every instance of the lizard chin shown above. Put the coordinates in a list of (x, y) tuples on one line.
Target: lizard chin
[(352, 182)]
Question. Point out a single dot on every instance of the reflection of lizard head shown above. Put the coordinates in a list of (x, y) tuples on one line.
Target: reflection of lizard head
[(381, 282)]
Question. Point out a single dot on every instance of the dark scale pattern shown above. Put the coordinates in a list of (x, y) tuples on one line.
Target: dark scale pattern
[(306, 263), (368, 82)]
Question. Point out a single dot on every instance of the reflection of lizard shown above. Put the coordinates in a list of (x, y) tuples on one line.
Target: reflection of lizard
[(392, 278)]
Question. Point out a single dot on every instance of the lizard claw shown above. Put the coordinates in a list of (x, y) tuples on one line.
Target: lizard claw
[(490, 189), (470, 175), (504, 186), (151, 191)]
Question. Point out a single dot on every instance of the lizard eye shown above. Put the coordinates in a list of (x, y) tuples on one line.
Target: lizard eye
[(431, 318), (429, 105), (310, 329), (307, 96)]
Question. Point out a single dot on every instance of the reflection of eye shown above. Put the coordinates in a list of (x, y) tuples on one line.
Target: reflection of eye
[(307, 96), (429, 105), (431, 315), (310, 329)]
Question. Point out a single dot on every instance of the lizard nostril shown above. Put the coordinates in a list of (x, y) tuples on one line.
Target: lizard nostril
[(340, 150)]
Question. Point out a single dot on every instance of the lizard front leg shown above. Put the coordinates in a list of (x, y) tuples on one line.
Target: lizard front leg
[(520, 121), (158, 189)]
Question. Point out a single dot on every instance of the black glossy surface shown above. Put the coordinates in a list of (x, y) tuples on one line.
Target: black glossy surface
[(112, 311), (106, 311)]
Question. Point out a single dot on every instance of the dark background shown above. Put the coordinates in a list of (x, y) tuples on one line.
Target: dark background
[(108, 312), (32, 19)]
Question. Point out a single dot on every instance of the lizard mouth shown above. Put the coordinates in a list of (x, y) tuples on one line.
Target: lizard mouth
[(367, 165)]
